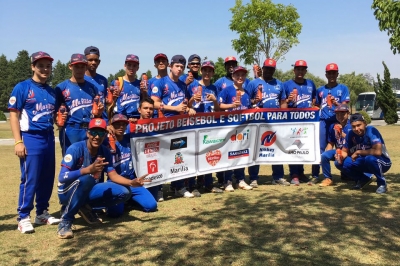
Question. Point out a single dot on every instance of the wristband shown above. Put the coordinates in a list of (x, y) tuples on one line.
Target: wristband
[(18, 142)]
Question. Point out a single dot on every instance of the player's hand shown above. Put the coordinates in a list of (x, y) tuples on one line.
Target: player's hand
[(259, 72), (291, 97), (20, 150), (189, 78), (197, 97), (181, 107), (111, 130), (101, 108), (191, 111), (257, 99), (354, 156), (116, 92), (210, 97), (133, 120), (237, 104), (333, 100), (139, 181), (97, 166)]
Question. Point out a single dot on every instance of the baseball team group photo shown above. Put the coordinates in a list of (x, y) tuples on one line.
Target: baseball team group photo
[(179, 159)]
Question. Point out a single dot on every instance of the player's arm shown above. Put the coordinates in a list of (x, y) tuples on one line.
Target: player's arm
[(19, 147), (330, 146), (283, 104), (137, 182), (376, 150)]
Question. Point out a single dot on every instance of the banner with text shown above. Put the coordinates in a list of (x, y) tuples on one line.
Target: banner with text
[(179, 147)]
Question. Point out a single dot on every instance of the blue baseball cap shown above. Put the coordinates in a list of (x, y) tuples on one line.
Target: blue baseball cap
[(239, 68), (40, 55), (92, 50), (178, 59), (132, 58), (209, 64), (78, 59), (357, 117), (193, 57)]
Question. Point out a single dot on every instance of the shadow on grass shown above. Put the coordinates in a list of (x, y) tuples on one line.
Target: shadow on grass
[(273, 226)]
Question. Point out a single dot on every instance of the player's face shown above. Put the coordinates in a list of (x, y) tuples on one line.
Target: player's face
[(146, 110), (78, 70), (300, 72), (161, 63), (42, 69), (93, 61), (342, 117), (207, 73), (358, 127), (131, 68), (229, 66), (332, 76), (177, 69), (268, 72), (194, 66), (239, 77), (119, 128), (96, 136)]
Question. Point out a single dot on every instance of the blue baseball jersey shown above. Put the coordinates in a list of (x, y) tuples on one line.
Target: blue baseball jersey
[(224, 82), (78, 99), (306, 93), (102, 84), (371, 137), (77, 156), (169, 92), (129, 99), (333, 137), (228, 96), (122, 159), (36, 103), (341, 94), (204, 106), (272, 92), (184, 76)]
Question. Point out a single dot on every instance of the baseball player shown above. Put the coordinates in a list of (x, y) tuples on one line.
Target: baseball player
[(204, 103), (273, 96), (194, 63), (79, 188), (77, 95), (336, 138), (169, 96), (305, 98), (364, 151), (123, 165), (228, 101), (328, 98), (93, 57), (161, 64), (31, 106)]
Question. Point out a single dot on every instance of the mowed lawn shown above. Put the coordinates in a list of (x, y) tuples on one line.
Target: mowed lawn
[(271, 225)]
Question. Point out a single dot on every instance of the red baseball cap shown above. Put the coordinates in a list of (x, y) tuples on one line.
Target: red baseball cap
[(230, 58), (300, 63), (119, 118), (98, 123), (160, 55), (332, 67), (269, 62), (239, 68)]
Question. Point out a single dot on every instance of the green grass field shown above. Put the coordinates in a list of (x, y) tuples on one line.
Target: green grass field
[(271, 225)]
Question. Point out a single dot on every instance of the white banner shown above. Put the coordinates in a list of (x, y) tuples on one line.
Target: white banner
[(179, 147)]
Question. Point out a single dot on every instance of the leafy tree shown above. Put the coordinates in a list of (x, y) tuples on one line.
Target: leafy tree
[(110, 78), (395, 83), (148, 73), (356, 84), (219, 70), (5, 82), (61, 72), (387, 12), (266, 30), (120, 73), (21, 67), (386, 98)]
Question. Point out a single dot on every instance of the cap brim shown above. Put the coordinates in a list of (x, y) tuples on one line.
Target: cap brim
[(208, 67), (44, 57), (79, 62), (132, 61), (160, 56), (105, 129), (121, 120)]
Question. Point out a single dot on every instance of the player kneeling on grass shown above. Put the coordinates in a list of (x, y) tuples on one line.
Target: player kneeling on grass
[(32, 128), (79, 187), (364, 151), (123, 165), (233, 98), (336, 138)]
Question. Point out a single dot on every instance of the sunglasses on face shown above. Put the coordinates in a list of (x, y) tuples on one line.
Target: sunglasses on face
[(195, 64), (95, 133)]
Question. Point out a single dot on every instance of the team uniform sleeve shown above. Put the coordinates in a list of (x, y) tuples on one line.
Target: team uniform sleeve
[(17, 98), (374, 136), (314, 91), (157, 90), (345, 94), (347, 142), (69, 166), (282, 93), (331, 134), (222, 96), (108, 158), (59, 97), (318, 99), (250, 88), (182, 78)]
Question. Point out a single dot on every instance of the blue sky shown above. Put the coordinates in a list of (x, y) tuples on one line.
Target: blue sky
[(340, 31)]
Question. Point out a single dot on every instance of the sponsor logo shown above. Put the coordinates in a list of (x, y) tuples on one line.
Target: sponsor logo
[(208, 140), (299, 132), (31, 94), (152, 167), (154, 90), (154, 177), (68, 158), (268, 138), (213, 157), (238, 154), (12, 100), (151, 147), (179, 164), (240, 136), (178, 143), (295, 148)]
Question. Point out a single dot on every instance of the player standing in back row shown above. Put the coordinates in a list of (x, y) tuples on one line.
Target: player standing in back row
[(32, 111)]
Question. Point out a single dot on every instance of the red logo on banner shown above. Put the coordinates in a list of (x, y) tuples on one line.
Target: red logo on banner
[(151, 147), (268, 138), (152, 167), (213, 157)]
